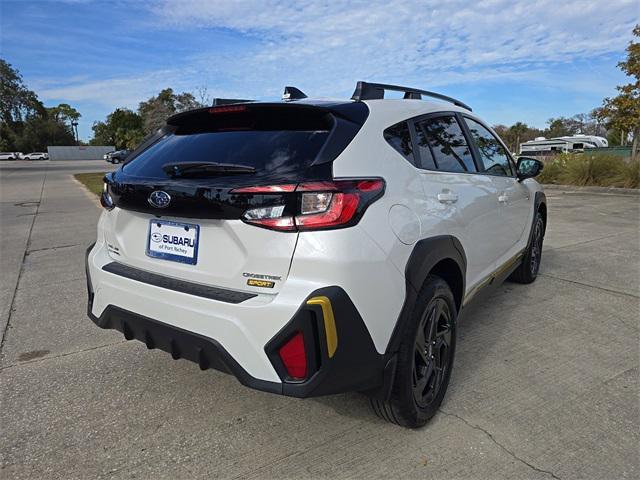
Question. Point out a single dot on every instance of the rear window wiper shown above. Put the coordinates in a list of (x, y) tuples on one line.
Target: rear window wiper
[(204, 169)]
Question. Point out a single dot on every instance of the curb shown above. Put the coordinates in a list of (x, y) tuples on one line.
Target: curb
[(601, 190)]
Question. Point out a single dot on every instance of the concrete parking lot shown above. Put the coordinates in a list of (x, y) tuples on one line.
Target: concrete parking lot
[(545, 383)]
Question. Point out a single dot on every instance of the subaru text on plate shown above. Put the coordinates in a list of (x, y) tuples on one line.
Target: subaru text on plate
[(312, 247)]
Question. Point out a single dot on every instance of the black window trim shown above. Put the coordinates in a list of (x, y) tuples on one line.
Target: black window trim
[(476, 152), (413, 127)]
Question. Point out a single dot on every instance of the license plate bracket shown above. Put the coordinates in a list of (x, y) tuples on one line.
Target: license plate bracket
[(174, 241)]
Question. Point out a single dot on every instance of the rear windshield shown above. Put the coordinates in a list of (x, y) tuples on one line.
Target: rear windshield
[(277, 144)]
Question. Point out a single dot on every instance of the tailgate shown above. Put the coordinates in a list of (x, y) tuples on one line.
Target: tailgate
[(201, 178)]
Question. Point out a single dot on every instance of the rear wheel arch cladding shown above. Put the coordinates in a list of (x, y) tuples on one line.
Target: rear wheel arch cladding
[(435, 256)]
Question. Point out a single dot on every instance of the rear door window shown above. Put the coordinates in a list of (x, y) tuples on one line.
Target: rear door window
[(447, 143)]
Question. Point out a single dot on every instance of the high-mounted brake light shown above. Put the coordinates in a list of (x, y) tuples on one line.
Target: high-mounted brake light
[(236, 108), (317, 205)]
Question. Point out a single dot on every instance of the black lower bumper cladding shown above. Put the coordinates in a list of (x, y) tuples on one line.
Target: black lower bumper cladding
[(355, 365), (206, 352)]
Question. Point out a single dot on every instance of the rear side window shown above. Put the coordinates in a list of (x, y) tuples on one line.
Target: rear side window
[(448, 144), (399, 138), (493, 154), (278, 144)]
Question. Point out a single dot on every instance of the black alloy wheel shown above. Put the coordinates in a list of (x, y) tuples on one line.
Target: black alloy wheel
[(432, 352)]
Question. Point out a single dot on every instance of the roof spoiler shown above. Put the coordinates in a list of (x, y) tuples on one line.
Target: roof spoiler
[(375, 91)]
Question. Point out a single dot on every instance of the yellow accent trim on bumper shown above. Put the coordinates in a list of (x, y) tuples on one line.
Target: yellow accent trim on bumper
[(329, 322)]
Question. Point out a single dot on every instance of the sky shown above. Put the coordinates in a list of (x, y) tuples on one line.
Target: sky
[(511, 60)]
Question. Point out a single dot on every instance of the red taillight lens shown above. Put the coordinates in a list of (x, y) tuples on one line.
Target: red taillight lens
[(318, 205), (294, 357)]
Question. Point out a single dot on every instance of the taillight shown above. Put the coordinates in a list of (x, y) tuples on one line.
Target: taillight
[(318, 205), (294, 357)]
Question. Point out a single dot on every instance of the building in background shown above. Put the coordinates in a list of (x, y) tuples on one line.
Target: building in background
[(79, 153)]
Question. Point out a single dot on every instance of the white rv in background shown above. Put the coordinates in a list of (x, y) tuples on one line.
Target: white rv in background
[(550, 146)]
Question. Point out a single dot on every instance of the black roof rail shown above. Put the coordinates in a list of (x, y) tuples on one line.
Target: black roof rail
[(229, 101), (375, 91), (292, 93)]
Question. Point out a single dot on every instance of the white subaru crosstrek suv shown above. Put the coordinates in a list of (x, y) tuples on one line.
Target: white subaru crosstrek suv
[(312, 247)]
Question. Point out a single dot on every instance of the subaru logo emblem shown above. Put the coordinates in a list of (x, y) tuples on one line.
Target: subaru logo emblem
[(159, 199)]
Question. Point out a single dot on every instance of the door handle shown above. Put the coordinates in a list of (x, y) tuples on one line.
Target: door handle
[(503, 198), (447, 197)]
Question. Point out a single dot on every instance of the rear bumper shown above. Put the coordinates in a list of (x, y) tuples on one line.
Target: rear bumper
[(240, 339)]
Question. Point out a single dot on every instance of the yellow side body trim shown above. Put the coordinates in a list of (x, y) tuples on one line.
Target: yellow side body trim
[(329, 322)]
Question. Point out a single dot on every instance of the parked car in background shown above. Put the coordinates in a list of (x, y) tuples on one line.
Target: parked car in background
[(117, 156), (36, 156), (10, 155)]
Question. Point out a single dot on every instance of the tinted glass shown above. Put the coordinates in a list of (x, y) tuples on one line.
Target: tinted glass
[(282, 152), (448, 144), (493, 154), (398, 137), (426, 156)]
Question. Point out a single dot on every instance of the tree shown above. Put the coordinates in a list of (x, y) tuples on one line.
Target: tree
[(622, 112), (64, 113), (25, 123), (17, 102), (40, 132), (558, 127), (517, 130), (122, 128), (516, 134), (156, 110)]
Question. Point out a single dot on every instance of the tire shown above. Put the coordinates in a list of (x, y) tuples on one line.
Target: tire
[(527, 272), (425, 358)]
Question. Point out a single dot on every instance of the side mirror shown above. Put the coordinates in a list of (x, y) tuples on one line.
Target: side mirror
[(528, 168)]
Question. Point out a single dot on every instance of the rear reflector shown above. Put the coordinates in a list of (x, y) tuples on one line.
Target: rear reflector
[(294, 357)]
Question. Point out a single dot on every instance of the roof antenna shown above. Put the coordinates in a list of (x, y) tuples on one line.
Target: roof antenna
[(292, 93)]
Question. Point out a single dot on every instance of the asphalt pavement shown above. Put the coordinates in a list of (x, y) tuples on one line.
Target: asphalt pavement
[(545, 383)]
